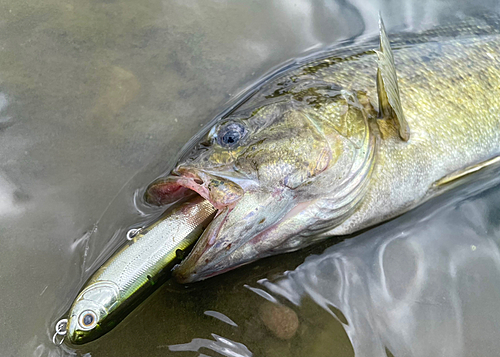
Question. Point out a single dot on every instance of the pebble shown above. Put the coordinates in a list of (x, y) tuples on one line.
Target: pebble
[(282, 321)]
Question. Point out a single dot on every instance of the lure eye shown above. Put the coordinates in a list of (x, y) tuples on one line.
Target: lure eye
[(230, 134), (88, 320)]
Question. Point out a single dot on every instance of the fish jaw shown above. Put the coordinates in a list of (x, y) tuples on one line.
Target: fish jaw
[(237, 235)]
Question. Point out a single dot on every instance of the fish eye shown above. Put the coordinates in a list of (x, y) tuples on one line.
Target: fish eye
[(87, 320), (230, 134)]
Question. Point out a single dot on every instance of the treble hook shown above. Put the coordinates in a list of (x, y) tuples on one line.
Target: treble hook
[(61, 330)]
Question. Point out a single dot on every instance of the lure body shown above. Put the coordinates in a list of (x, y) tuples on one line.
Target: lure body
[(136, 270)]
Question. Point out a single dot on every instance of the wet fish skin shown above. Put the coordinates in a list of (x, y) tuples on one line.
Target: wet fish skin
[(135, 271), (311, 158)]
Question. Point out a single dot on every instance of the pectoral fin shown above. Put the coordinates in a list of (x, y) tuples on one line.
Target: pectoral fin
[(387, 86), (454, 176)]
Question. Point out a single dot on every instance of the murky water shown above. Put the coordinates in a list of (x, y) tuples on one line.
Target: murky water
[(96, 99)]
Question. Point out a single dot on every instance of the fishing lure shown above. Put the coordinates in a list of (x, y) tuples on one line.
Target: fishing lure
[(134, 272)]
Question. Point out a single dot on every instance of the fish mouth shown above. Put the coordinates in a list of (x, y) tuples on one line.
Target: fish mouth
[(221, 192), (221, 249), (228, 241), (212, 255)]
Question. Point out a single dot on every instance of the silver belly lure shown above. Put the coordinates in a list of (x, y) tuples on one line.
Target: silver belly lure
[(134, 272)]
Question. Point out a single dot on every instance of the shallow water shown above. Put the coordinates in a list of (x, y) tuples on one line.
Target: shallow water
[(96, 99)]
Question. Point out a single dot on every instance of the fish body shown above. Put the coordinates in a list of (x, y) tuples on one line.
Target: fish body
[(136, 270), (450, 90), (324, 149)]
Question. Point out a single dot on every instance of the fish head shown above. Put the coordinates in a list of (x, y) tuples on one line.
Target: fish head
[(89, 316), (277, 175)]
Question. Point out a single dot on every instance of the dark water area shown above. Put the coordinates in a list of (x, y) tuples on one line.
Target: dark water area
[(97, 97)]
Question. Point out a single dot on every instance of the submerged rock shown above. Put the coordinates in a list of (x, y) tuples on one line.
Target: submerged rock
[(279, 319)]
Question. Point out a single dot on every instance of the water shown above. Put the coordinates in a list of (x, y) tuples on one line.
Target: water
[(96, 99)]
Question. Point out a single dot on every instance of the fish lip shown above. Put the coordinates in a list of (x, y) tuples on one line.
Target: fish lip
[(191, 277), (185, 272), (193, 268), (197, 268), (198, 181)]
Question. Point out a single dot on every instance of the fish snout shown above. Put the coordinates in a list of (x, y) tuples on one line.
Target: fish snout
[(220, 192)]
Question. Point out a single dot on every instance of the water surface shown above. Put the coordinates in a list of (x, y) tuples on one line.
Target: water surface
[(96, 99)]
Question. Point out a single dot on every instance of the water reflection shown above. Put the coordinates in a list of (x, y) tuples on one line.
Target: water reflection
[(220, 345), (221, 317), (426, 283), (7, 198)]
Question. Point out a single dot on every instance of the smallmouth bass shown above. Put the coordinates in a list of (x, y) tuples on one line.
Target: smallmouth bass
[(341, 142)]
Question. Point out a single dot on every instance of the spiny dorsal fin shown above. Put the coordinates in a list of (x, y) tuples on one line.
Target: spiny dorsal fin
[(387, 85)]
